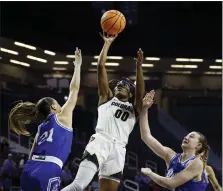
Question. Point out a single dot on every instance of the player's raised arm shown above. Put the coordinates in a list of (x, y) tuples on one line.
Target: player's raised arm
[(192, 171), (140, 86), (65, 116), (160, 150), (212, 178), (103, 88)]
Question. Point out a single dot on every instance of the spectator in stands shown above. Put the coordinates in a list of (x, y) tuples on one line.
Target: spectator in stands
[(4, 148), (8, 166), (21, 162), (6, 183)]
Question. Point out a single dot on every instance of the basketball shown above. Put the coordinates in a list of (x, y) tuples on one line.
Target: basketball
[(113, 22)]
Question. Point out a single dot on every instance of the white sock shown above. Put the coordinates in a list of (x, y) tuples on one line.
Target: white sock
[(85, 174)]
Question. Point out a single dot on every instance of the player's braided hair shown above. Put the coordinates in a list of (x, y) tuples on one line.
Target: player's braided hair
[(25, 113), (204, 150)]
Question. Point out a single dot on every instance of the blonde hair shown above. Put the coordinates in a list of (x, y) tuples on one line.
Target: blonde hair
[(204, 150), (27, 112)]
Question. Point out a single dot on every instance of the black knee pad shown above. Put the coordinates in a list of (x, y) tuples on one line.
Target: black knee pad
[(89, 157)]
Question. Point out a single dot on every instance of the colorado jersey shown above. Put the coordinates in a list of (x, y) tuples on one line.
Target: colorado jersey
[(177, 166), (116, 119)]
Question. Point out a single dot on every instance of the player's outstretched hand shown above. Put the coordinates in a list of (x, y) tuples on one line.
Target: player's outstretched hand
[(78, 57), (148, 99), (146, 171), (140, 57), (108, 38)]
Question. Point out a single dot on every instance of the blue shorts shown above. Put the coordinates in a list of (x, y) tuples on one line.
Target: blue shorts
[(40, 176)]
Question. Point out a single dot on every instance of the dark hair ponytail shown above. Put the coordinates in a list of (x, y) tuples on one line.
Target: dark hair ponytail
[(22, 114)]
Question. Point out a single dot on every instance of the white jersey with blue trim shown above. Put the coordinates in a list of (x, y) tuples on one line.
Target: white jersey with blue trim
[(116, 119)]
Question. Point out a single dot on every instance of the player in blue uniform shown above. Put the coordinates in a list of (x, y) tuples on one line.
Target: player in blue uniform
[(53, 140), (185, 171)]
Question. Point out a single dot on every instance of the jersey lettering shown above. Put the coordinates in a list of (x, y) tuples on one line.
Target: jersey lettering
[(123, 106), (46, 136), (124, 115)]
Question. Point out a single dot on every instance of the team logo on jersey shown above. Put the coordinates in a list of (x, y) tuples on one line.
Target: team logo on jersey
[(55, 187), (40, 157), (53, 184), (123, 106)]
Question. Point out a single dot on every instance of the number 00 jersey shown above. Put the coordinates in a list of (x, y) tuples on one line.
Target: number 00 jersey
[(116, 119)]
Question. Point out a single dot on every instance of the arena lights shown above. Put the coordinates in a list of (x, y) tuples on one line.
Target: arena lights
[(61, 62), (196, 60), (213, 73), (56, 75), (189, 60), (20, 63), (183, 66), (218, 60), (147, 65), (153, 58), (179, 72), (215, 67), (183, 59), (25, 45), (70, 56), (36, 58), (49, 52), (57, 68), (9, 51), (134, 78), (107, 64), (111, 57)]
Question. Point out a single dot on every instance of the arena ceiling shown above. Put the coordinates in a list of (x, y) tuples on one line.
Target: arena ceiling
[(161, 29), (30, 56), (166, 31)]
